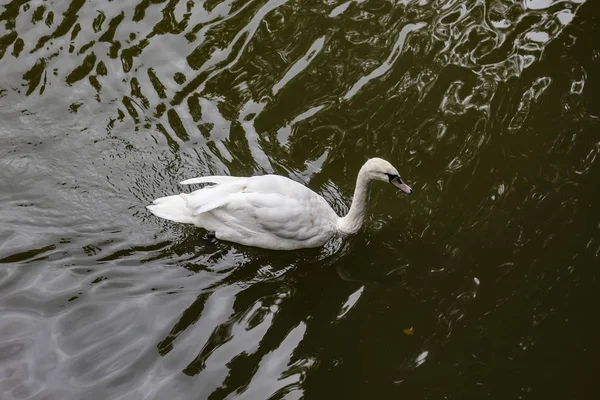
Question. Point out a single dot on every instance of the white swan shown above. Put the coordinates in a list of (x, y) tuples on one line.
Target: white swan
[(272, 211)]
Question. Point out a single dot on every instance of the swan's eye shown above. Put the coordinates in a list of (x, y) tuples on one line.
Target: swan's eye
[(391, 176)]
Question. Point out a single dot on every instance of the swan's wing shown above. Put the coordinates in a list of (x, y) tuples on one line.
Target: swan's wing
[(264, 205), (209, 198), (290, 217), (211, 179), (288, 209)]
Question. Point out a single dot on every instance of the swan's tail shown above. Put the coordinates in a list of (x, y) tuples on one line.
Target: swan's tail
[(173, 208)]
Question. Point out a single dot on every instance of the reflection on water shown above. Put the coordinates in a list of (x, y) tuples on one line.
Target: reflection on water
[(486, 107)]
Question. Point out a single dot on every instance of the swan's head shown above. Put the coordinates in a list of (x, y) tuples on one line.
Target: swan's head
[(381, 170)]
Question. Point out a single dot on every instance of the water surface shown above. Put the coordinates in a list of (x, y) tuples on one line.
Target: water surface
[(489, 110)]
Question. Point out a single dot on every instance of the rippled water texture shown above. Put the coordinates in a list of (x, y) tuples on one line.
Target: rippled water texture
[(489, 109)]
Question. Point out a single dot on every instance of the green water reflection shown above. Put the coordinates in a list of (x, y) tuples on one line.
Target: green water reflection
[(487, 108)]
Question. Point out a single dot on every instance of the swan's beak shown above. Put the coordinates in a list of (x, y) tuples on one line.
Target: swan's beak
[(396, 181)]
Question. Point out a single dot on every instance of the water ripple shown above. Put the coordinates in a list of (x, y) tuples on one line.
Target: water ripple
[(485, 105)]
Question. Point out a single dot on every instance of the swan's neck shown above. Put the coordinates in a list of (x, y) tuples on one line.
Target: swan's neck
[(352, 222)]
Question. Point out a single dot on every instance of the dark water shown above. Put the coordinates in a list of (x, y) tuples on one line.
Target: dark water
[(489, 109)]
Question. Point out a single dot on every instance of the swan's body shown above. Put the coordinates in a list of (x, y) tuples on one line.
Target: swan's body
[(271, 211)]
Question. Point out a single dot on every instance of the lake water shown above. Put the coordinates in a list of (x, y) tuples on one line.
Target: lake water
[(488, 108)]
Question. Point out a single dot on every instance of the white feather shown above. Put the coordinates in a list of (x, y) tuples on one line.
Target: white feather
[(269, 211), (210, 179)]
